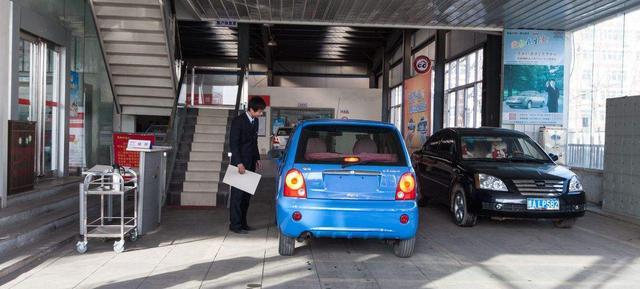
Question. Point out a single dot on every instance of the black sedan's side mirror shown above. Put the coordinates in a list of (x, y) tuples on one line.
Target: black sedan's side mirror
[(553, 157), (275, 154)]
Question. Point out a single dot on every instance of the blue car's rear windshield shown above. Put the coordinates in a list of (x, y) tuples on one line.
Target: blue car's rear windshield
[(331, 144)]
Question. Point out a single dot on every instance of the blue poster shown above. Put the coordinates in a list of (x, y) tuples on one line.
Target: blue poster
[(533, 64)]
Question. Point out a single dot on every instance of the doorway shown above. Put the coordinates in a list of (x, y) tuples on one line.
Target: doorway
[(39, 93)]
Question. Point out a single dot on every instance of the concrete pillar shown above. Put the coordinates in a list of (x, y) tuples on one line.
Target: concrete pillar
[(385, 87), (5, 91), (492, 77), (438, 82)]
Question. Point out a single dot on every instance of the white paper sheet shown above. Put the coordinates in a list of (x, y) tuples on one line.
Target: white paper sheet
[(247, 182)]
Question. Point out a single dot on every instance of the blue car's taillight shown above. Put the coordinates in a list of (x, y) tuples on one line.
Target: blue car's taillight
[(406, 189), (294, 185)]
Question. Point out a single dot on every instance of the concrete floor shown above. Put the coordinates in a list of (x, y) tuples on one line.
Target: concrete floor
[(193, 249)]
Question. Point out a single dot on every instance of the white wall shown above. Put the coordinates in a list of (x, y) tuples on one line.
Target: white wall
[(5, 90), (361, 103), (336, 82)]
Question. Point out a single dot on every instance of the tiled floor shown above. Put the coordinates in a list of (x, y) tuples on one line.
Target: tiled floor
[(193, 249)]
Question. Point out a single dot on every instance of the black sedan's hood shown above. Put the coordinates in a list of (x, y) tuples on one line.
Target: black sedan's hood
[(519, 170)]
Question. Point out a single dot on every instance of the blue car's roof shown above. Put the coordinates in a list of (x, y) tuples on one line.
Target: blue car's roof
[(329, 121)]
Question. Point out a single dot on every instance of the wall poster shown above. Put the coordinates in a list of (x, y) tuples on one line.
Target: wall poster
[(533, 91), (416, 119), (76, 123)]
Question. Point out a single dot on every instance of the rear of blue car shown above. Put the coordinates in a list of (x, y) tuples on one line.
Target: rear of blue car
[(347, 179)]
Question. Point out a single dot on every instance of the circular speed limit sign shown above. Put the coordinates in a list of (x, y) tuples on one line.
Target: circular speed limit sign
[(422, 64)]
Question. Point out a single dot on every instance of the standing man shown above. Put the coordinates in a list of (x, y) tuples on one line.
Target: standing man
[(552, 96), (243, 144)]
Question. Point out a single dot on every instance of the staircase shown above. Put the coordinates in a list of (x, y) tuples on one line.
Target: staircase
[(137, 50), (207, 159), (38, 222)]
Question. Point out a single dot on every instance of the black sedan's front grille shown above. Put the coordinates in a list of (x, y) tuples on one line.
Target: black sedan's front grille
[(543, 188)]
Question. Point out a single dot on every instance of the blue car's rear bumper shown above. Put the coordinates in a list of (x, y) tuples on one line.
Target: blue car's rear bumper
[(347, 219)]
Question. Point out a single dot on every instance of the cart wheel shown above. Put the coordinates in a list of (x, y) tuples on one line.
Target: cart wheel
[(81, 247), (133, 236), (118, 246)]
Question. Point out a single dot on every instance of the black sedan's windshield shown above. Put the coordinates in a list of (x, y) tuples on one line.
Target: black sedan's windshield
[(501, 148)]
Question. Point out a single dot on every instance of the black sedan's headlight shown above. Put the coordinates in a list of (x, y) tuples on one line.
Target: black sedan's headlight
[(574, 185), (489, 182)]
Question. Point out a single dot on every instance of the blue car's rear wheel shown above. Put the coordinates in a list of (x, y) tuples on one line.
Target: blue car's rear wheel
[(286, 246), (404, 248)]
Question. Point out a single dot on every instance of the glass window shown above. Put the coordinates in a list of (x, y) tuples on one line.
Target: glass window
[(462, 71), (396, 107), (463, 99), (472, 67), (331, 144), (603, 66), (469, 108)]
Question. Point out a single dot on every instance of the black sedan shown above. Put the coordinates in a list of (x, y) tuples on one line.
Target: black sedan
[(497, 173)]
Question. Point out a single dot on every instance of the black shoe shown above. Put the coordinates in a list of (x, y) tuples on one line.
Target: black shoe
[(241, 231), (247, 228)]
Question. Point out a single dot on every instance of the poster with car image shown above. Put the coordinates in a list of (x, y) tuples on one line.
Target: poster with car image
[(417, 110), (533, 91)]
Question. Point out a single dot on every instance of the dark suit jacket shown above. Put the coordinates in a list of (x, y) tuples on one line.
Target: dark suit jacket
[(243, 142)]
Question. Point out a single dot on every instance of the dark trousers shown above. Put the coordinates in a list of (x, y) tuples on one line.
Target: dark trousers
[(238, 207)]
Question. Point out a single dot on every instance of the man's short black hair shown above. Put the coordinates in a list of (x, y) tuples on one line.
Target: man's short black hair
[(257, 103)]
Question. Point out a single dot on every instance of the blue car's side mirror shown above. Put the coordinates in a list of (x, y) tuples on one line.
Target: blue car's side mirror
[(553, 157)]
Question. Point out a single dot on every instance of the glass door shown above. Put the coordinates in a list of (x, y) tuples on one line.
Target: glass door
[(38, 98)]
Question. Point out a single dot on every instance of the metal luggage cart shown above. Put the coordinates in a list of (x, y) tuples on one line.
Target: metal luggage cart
[(109, 183)]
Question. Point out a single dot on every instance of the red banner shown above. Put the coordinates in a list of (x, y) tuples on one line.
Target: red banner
[(126, 158)]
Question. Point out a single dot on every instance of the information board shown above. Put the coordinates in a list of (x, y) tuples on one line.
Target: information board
[(126, 158)]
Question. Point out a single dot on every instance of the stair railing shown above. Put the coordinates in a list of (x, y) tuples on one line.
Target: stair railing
[(174, 132)]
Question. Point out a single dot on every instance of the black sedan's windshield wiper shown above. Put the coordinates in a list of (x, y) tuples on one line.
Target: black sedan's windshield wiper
[(526, 159)]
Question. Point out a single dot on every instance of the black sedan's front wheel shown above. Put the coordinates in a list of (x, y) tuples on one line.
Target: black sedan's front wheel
[(461, 214)]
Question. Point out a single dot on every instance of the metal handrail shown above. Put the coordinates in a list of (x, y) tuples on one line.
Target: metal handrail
[(104, 58)]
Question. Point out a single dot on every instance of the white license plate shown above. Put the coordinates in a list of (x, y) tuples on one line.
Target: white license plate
[(543, 204)]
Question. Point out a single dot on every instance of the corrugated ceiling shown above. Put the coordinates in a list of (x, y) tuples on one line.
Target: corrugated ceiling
[(452, 14)]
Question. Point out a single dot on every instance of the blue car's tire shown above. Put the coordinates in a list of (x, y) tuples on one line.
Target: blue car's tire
[(286, 246), (404, 248)]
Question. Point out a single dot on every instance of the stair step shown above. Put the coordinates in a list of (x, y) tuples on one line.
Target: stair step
[(20, 258), (156, 61), (29, 232), (146, 101), (200, 186), (212, 120), (213, 112), (211, 128), (200, 166), (144, 81), (207, 147), (146, 91), (144, 25), (55, 187), (128, 70), (204, 199), (134, 37), (26, 211), (119, 12), (205, 156), (144, 110), (209, 138), (150, 3), (200, 176)]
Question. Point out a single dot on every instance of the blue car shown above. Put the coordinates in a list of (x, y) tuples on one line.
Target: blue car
[(346, 179)]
